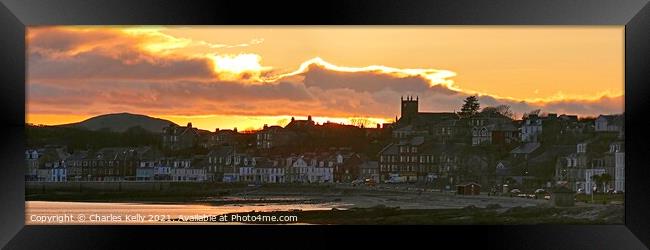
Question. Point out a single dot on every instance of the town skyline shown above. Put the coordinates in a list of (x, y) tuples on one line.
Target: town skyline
[(365, 122), (245, 77)]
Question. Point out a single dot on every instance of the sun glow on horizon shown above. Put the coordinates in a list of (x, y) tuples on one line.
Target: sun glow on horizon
[(212, 122)]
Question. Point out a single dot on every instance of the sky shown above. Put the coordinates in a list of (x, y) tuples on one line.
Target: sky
[(248, 76)]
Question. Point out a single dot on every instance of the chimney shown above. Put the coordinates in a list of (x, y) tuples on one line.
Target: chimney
[(235, 129), (189, 125), (309, 118)]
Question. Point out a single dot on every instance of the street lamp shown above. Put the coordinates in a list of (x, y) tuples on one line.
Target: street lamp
[(592, 193)]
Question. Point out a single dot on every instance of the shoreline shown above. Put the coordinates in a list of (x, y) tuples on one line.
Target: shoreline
[(364, 197), (349, 205), (381, 215)]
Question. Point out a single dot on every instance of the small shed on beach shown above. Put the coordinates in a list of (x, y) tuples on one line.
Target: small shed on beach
[(470, 188)]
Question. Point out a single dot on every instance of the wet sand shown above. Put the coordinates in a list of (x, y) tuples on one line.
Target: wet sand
[(259, 200)]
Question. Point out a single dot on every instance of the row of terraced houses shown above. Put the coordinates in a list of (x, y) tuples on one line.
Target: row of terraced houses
[(222, 164)]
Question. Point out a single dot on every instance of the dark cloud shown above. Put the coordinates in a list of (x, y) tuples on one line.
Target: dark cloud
[(61, 40), (55, 53), (318, 76), (126, 65), (602, 105), (232, 91)]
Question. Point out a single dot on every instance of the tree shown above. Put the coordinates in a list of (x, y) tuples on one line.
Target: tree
[(500, 109), (283, 122), (505, 111), (361, 122), (533, 112), (470, 107), (601, 179)]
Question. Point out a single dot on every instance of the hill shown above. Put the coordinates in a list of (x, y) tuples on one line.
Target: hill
[(121, 122)]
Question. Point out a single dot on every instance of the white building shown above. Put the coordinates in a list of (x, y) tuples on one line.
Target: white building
[(188, 174), (56, 173), (270, 174), (619, 171), (306, 171), (247, 169), (531, 129), (162, 172), (609, 123)]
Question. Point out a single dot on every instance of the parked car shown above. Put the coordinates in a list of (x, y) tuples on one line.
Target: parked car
[(541, 194), (396, 179), (357, 182), (515, 192)]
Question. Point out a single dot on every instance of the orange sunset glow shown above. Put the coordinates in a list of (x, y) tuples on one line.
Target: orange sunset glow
[(248, 76)]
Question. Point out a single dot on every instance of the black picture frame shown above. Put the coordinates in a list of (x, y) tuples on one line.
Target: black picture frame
[(15, 15)]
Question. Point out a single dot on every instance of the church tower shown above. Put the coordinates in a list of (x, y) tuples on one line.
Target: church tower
[(409, 108)]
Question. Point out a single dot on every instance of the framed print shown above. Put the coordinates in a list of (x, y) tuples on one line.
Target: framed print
[(518, 124)]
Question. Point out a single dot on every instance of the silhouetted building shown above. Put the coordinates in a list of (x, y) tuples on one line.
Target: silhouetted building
[(223, 137), (220, 159), (492, 128), (609, 123), (273, 136), (176, 137)]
